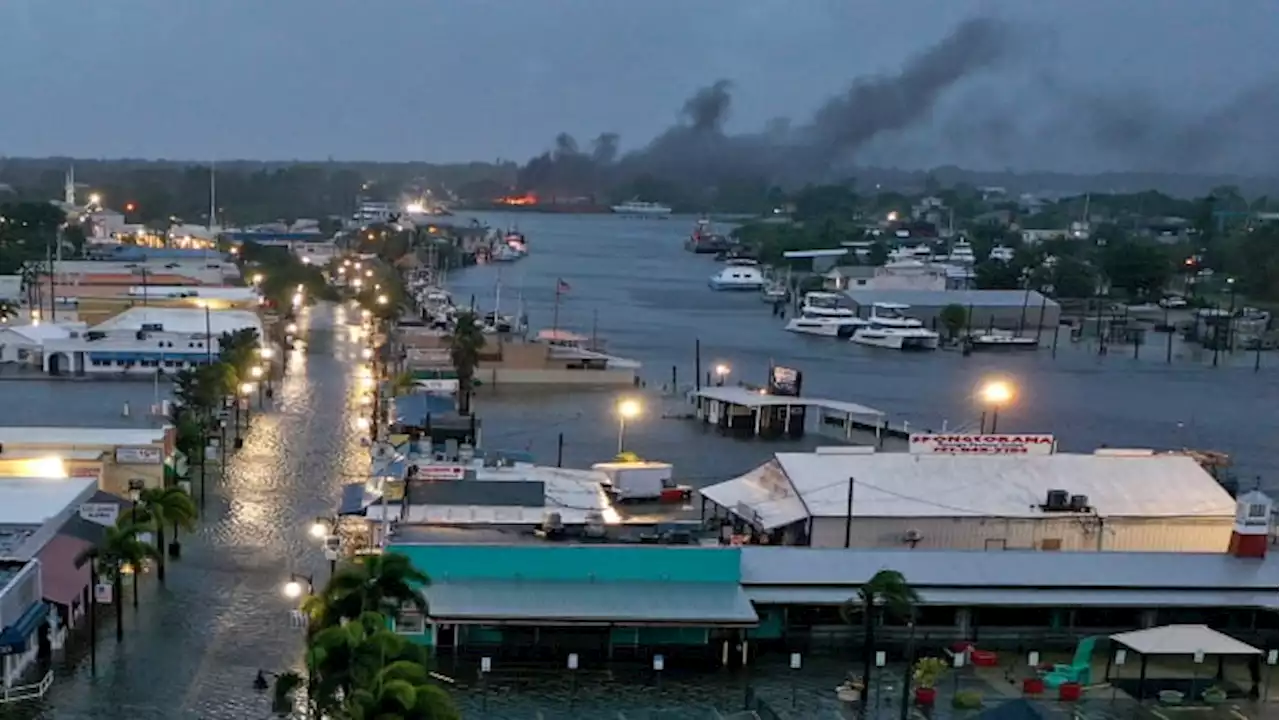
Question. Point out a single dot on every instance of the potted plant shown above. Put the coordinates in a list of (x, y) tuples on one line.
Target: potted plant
[(1214, 696), (926, 674), (849, 691)]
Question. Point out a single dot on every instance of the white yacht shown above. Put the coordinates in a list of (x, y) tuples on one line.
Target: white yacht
[(738, 275), (822, 314), (889, 328), (962, 253), (643, 209)]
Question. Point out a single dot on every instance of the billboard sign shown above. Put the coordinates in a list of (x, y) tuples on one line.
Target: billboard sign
[(784, 381), (956, 444)]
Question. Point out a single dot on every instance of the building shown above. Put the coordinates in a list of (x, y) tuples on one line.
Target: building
[(184, 321), (24, 344), (899, 275), (127, 354), (24, 632), (108, 458), (1002, 309), (69, 275), (33, 507), (930, 499)]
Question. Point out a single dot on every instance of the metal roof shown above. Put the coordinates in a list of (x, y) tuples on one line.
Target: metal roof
[(938, 298), (80, 437), (184, 320), (1003, 597), (954, 569), (735, 395), (916, 485), (763, 497), (84, 404), (588, 603), (33, 501), (510, 493)]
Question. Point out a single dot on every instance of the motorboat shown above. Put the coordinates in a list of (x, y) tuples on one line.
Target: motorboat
[(962, 253), (704, 241), (826, 325), (774, 292), (738, 276), (889, 328), (637, 208), (825, 304), (506, 253), (1001, 340)]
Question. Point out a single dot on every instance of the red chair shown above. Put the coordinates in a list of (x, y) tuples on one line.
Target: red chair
[(1070, 692), (1032, 686)]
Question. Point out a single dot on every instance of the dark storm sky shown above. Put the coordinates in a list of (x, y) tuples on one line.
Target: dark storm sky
[(450, 80)]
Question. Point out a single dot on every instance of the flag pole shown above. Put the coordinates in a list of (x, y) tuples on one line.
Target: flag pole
[(555, 313)]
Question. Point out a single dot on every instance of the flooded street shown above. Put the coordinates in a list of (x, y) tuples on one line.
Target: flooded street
[(648, 299), (193, 648)]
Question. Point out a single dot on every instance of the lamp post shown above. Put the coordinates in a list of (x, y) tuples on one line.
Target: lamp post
[(255, 372), (325, 529), (627, 409), (297, 586), (995, 394), (135, 494)]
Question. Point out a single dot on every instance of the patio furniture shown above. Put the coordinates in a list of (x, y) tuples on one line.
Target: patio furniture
[(1032, 686), (983, 658), (1078, 670), (1070, 691)]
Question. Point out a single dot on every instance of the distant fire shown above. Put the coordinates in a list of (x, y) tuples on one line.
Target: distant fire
[(528, 198)]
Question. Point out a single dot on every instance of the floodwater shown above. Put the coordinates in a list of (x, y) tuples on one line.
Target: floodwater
[(193, 648), (633, 284)]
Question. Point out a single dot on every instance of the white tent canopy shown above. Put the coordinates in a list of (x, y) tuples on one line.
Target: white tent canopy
[(1183, 640)]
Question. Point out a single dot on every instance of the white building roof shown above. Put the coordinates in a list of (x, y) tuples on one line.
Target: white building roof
[(33, 501), (46, 331), (183, 320), (736, 395), (74, 437), (910, 485), (210, 292), (1183, 640)]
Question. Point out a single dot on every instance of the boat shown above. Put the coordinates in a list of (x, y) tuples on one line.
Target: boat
[(639, 208), (822, 314), (889, 328), (1001, 340), (962, 253), (505, 253), (738, 276), (774, 292), (704, 241)]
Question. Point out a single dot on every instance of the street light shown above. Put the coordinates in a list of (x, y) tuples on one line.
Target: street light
[(295, 588), (628, 409), (319, 529), (366, 353), (255, 372), (266, 353), (246, 388), (722, 371), (291, 328), (383, 300), (996, 394), (257, 278)]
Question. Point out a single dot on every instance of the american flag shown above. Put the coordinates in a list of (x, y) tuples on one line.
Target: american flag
[(562, 286)]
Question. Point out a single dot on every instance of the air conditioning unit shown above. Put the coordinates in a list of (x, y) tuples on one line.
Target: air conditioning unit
[(911, 537), (1056, 500)]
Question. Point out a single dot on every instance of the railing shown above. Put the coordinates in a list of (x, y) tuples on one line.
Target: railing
[(34, 691)]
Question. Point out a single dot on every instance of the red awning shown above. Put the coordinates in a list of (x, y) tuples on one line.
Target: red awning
[(63, 582)]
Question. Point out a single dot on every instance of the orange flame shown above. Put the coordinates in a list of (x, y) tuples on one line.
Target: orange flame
[(529, 198)]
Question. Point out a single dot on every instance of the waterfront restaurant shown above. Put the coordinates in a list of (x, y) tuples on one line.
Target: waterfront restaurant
[(995, 492), (727, 605)]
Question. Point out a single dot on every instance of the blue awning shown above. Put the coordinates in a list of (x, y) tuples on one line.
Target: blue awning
[(14, 638), (356, 499)]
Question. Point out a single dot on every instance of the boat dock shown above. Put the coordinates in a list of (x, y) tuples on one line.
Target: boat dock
[(741, 410)]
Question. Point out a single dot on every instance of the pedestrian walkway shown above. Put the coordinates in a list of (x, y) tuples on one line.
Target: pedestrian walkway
[(194, 646)]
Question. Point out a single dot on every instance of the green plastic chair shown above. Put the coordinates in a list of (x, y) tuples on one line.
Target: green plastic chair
[(1080, 670)]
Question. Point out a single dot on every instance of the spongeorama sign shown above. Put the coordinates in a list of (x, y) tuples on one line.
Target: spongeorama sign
[(956, 444)]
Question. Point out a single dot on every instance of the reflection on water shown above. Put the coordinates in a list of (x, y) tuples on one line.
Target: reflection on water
[(648, 298)]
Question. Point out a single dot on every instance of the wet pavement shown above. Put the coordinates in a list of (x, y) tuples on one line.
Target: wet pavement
[(193, 647), (633, 283)]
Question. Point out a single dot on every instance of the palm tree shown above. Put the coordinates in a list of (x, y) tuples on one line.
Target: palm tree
[(120, 547), (378, 583), (160, 506), (886, 592), (464, 350), (361, 670)]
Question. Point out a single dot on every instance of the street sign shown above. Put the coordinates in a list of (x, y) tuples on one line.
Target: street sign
[(880, 658), (659, 663), (486, 664), (1121, 656), (138, 456), (573, 661), (1033, 658), (795, 661), (102, 593), (441, 472), (1199, 656), (100, 513)]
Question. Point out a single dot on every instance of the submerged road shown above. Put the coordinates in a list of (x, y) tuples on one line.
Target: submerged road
[(193, 647)]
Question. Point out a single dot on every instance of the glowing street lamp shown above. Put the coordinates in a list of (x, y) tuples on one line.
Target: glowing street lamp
[(246, 388), (298, 585), (266, 353), (722, 371), (383, 300), (362, 423), (319, 529), (628, 409), (257, 278), (255, 372), (291, 328), (995, 394)]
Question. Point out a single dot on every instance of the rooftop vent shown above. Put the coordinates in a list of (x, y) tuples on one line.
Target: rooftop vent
[(1057, 501)]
